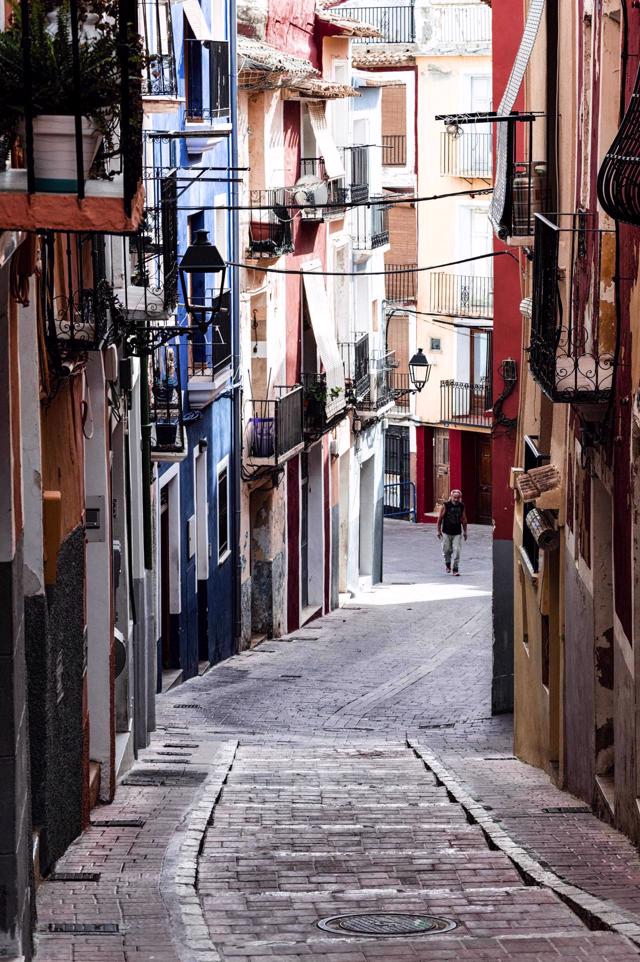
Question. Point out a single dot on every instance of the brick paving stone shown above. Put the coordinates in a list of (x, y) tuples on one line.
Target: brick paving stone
[(324, 809)]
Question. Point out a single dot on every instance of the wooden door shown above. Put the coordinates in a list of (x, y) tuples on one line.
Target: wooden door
[(441, 465), (483, 495)]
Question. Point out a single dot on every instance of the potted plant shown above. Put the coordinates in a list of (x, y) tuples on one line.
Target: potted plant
[(55, 96)]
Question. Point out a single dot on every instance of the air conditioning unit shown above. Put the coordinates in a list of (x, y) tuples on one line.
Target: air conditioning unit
[(309, 190)]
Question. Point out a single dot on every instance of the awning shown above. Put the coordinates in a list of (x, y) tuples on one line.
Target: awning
[(333, 163), (532, 26), (320, 314), (193, 13)]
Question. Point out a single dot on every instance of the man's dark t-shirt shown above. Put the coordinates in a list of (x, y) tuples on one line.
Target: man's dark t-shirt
[(452, 521)]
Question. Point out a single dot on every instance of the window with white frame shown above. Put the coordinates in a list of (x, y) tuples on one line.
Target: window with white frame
[(224, 534)]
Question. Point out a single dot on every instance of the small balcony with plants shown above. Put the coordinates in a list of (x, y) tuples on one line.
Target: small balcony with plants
[(168, 434), (323, 406), (207, 115), (210, 358), (355, 357), (573, 349), (71, 118), (275, 428), (159, 79), (270, 227)]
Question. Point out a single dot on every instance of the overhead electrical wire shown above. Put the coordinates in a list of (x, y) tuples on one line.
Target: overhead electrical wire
[(395, 271)]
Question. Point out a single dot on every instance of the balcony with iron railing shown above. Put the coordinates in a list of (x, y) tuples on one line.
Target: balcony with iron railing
[(270, 224), (160, 80), (144, 266), (573, 352), (71, 127), (210, 357), (394, 150), (458, 26), (326, 196), (355, 357), (370, 225), (465, 153), (461, 295), (401, 389), (80, 310), (380, 395), (466, 405), (275, 428), (400, 287), (396, 24), (168, 434)]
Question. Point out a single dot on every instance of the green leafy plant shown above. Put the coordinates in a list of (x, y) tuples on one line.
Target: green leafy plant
[(53, 87)]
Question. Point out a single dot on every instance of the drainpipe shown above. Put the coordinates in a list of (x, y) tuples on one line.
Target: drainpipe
[(236, 401), (145, 427)]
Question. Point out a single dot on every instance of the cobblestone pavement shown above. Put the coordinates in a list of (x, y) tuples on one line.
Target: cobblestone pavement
[(350, 768)]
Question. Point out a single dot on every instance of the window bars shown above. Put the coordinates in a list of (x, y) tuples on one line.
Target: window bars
[(573, 351)]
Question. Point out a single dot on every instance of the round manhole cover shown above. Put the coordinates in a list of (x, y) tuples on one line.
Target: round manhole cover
[(388, 923)]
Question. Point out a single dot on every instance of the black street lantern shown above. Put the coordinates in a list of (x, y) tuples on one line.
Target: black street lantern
[(201, 258), (419, 370)]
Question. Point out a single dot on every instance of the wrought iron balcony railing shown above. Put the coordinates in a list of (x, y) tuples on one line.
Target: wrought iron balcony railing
[(276, 427), (467, 154), (211, 352), (401, 389), (156, 29), (79, 306), (461, 295), (330, 199), (207, 81), (396, 24), (466, 404), (400, 288), (103, 168), (394, 150), (358, 166), (271, 224), (144, 271), (168, 441), (370, 226), (459, 25), (355, 357), (573, 352), (380, 395)]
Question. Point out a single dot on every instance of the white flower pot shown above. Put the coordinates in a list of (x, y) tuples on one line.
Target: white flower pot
[(54, 149)]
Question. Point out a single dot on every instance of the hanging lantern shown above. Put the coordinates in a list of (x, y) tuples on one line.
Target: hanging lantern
[(419, 370), (200, 259)]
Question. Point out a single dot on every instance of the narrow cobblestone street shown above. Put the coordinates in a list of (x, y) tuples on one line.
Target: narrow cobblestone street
[(352, 767)]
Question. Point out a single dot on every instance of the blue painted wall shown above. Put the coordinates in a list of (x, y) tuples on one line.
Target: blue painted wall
[(214, 637)]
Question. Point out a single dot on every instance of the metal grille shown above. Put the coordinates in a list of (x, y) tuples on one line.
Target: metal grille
[(387, 924), (154, 778), (461, 295), (619, 177), (399, 492), (463, 403), (396, 24), (74, 877), (498, 201), (118, 823), (85, 928)]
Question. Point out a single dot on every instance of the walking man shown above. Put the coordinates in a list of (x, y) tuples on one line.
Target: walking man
[(452, 523)]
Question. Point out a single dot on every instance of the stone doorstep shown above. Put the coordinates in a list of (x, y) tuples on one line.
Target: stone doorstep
[(595, 912)]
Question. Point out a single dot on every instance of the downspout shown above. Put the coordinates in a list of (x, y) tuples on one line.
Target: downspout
[(236, 400)]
